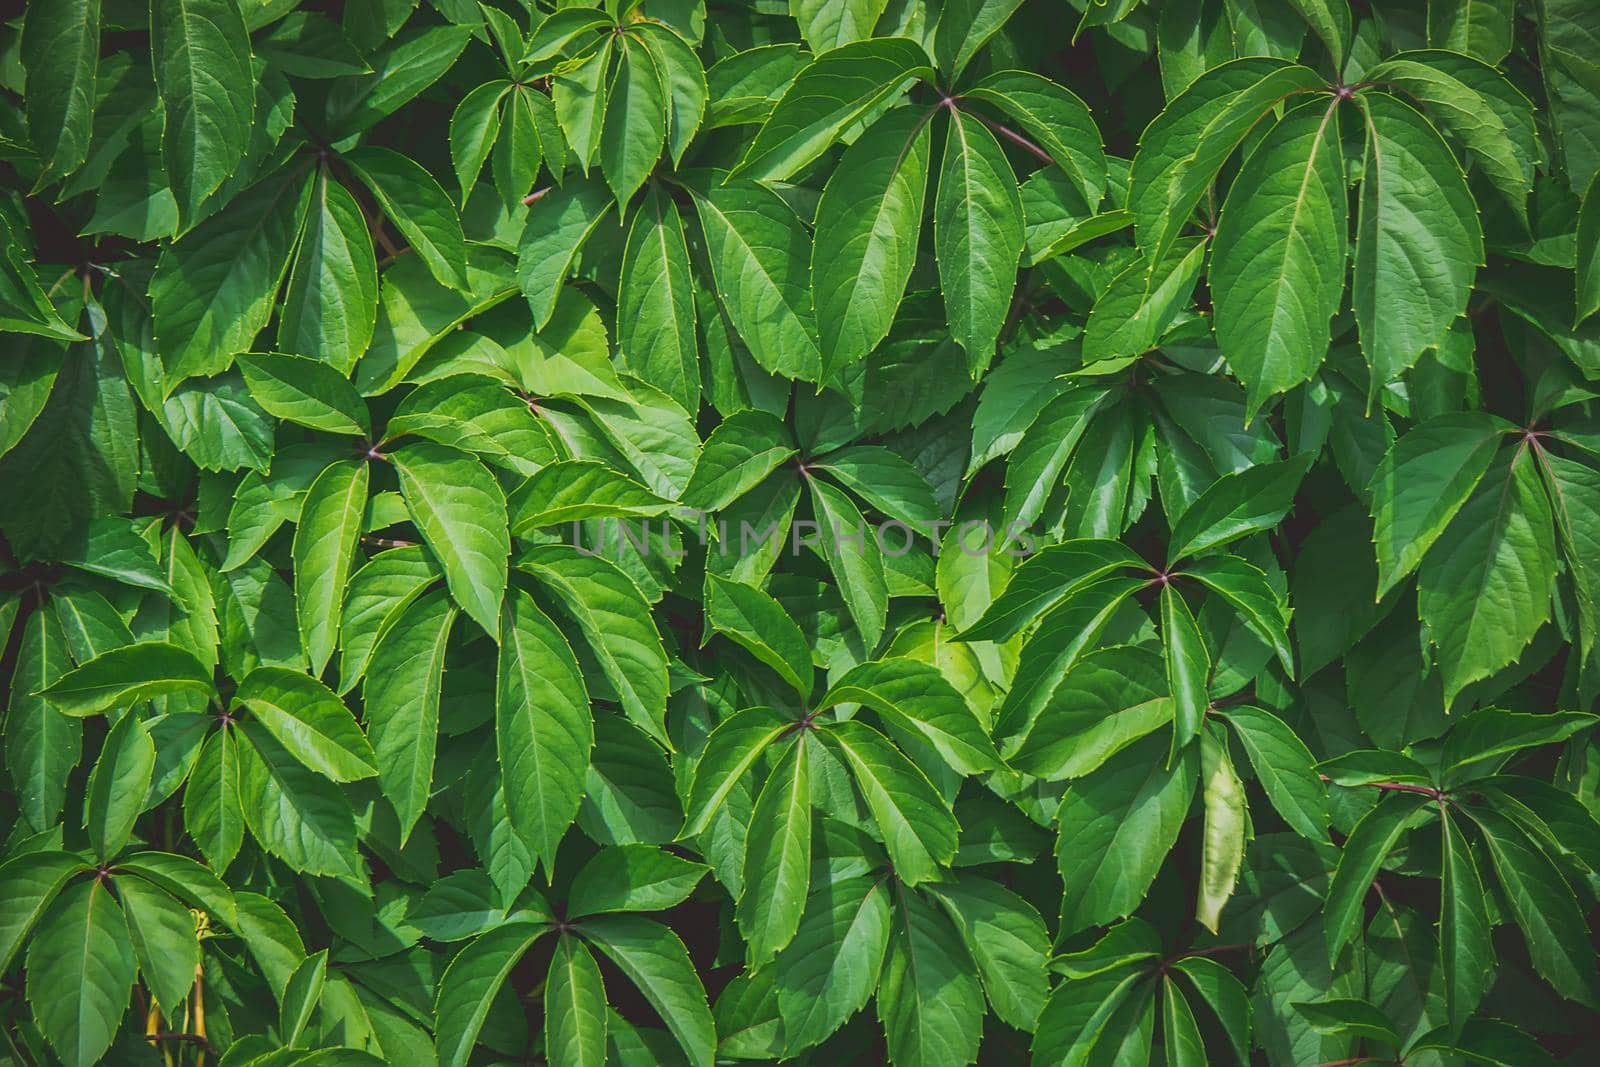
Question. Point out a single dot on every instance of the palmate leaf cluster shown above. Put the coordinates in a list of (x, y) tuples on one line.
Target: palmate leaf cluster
[(848, 531)]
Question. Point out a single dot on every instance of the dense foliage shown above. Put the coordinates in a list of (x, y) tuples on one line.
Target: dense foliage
[(847, 531)]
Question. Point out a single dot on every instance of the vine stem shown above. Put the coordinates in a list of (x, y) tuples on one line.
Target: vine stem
[(1014, 137), (1400, 787)]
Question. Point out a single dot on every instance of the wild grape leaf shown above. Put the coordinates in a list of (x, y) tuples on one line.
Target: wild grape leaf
[(1418, 242), (543, 731), (1277, 265), (201, 52), (977, 235), (60, 52), (868, 225)]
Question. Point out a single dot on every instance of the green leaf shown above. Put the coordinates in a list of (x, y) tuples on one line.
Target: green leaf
[(1589, 253), (633, 878), (1364, 851), (731, 750), (560, 29), (1238, 504), (473, 128), (331, 303), (310, 45), (1366, 766), (1116, 827), (300, 997), (309, 721), (1284, 767), (324, 542), (212, 808), (1103, 703), (294, 814), (777, 861), (578, 92), (1544, 906), (42, 745), (419, 209), (188, 880), (1486, 588), (461, 512), (827, 973), (1007, 940), (468, 987), (401, 695), (918, 827), (201, 52), (929, 1000), (24, 305), (916, 698), (378, 593), (655, 302), (1355, 1018), (1330, 20), (60, 51), (214, 289), (977, 236), (868, 224), (569, 492), (519, 151), (1483, 28), (837, 88), (1063, 637), (1418, 241), (635, 128), (25, 384), (826, 24), (475, 413), (761, 258), (306, 391), (615, 619), (558, 226), (685, 81), (1472, 101), (127, 675), (1140, 303), (118, 786), (1045, 579), (1466, 954), (31, 882), (400, 71), (964, 27), (1277, 265), (885, 480), (543, 730), (1035, 469), (655, 961), (1422, 483), (81, 969), (1184, 147), (743, 449), (1492, 734), (1054, 116), (1224, 994), (1074, 1018), (1188, 667), (574, 1007), (760, 625), (1248, 591), (163, 934), (850, 547)]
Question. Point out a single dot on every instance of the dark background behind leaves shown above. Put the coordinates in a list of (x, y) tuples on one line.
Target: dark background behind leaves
[(1264, 331)]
